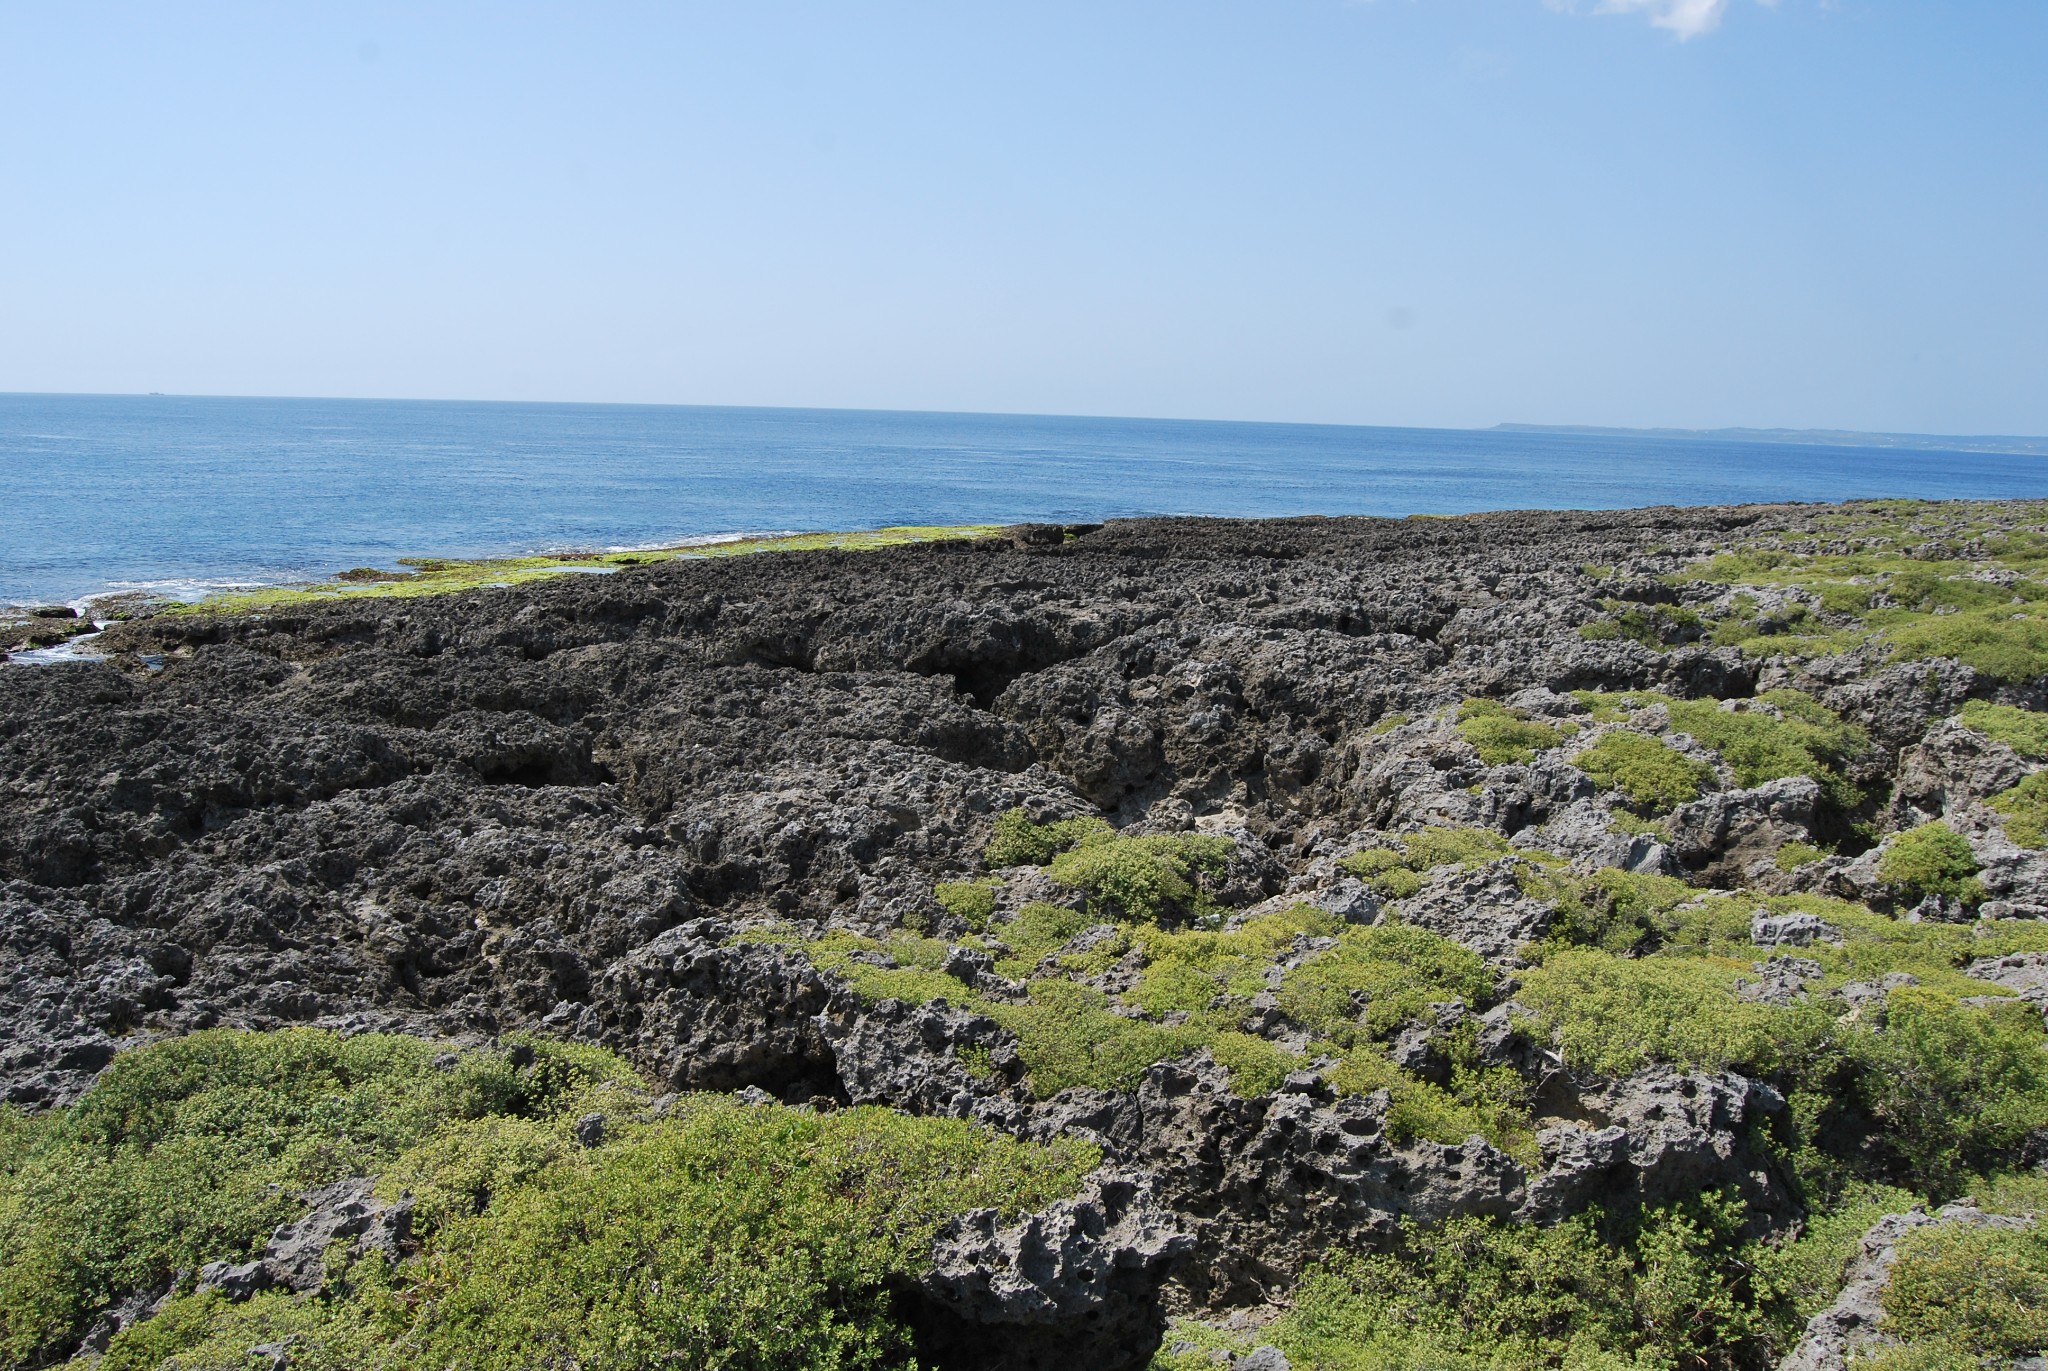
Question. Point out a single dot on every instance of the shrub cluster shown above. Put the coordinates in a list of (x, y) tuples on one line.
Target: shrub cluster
[(720, 1234), (1653, 775), (2022, 730), (2025, 811), (1932, 859), (1501, 735), (1145, 878), (1396, 872)]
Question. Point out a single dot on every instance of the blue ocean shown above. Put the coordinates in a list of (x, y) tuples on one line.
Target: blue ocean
[(181, 495)]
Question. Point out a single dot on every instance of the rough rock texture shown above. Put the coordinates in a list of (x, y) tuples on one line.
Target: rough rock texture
[(1054, 1289), (1849, 1326), (561, 806), (295, 1258)]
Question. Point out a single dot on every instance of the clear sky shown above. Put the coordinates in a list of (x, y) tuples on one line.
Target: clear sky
[(1437, 212)]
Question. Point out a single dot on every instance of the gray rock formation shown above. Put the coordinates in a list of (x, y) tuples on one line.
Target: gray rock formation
[(1076, 1284), (295, 1258)]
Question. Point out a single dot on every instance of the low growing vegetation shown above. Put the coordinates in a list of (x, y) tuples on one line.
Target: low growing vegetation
[(716, 1235), (1653, 775), (1932, 859), (1501, 735)]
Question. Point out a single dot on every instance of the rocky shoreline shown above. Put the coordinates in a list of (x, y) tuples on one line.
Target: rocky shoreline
[(944, 828)]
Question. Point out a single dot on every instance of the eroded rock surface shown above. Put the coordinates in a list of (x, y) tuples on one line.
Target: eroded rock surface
[(618, 809)]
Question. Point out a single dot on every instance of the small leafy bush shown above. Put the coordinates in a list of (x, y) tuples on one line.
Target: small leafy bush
[(1673, 1287), (1378, 978), (1501, 735), (2022, 730), (1797, 736), (1932, 859), (1652, 774), (1020, 842), (1621, 911), (1615, 1015), (718, 1235), (1953, 1088), (190, 1151), (971, 902), (1978, 1294), (2025, 811), (2000, 642), (1068, 1035), (1142, 878), (1396, 872), (1794, 855)]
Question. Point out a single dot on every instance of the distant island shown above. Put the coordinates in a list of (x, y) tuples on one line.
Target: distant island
[(1816, 437)]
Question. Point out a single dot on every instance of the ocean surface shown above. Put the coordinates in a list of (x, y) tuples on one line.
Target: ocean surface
[(183, 495)]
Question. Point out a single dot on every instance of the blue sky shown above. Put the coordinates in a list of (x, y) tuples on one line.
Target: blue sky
[(1438, 212)]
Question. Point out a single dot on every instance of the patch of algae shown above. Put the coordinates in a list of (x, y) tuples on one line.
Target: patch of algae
[(443, 576)]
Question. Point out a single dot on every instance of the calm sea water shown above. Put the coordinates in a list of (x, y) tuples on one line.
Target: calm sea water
[(184, 494)]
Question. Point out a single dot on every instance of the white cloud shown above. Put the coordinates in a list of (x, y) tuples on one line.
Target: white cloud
[(1686, 18)]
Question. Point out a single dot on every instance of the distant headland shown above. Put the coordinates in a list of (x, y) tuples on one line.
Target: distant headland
[(1816, 437)]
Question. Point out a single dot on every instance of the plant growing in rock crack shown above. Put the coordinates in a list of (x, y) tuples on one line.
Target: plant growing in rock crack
[(1932, 859), (1501, 735), (2024, 809), (1653, 775), (1397, 871)]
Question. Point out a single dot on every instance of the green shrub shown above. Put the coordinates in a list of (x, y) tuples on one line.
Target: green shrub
[(1492, 1102), (1144, 878), (1794, 855), (1932, 859), (1396, 872), (1952, 1088), (971, 902), (721, 1234), (1810, 1271), (1615, 1015), (1620, 911), (1798, 736), (1067, 1035), (1980, 1294), (1019, 842), (2025, 810), (1650, 773), (1379, 977), (1670, 1288), (2000, 643), (190, 1150), (1038, 929), (1501, 735), (2022, 730)]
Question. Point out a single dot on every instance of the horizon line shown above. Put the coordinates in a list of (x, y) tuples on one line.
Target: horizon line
[(1780, 432)]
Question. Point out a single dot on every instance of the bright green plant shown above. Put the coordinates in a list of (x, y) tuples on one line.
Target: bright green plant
[(1652, 774), (1667, 1288), (1953, 1088), (1020, 842), (1794, 855), (721, 1235), (2022, 730), (1396, 872), (1796, 736), (973, 903), (1143, 878), (191, 1150), (1932, 859), (1979, 1294), (1501, 735), (1614, 1015), (2025, 810), (1379, 977)]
